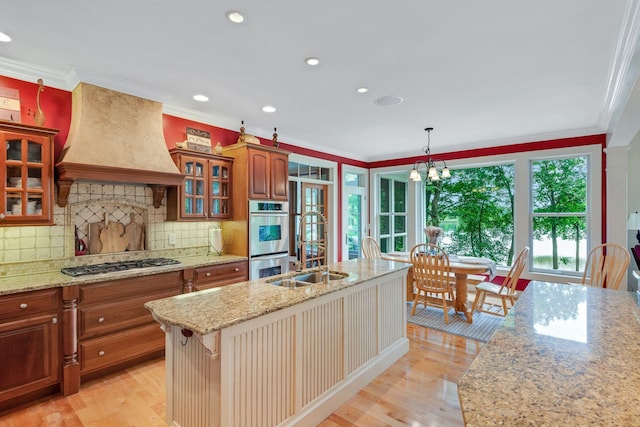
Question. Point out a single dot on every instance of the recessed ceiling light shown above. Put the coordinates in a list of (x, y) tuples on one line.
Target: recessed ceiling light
[(389, 100), (362, 90), (235, 17), (201, 98), (269, 109), (4, 38), (312, 61)]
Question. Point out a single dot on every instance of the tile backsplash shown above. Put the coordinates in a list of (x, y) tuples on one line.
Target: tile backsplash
[(88, 203)]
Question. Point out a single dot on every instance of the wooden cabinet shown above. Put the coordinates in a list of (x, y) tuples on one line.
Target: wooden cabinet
[(206, 190), (114, 328), (29, 345), (213, 276), (268, 174), (26, 171)]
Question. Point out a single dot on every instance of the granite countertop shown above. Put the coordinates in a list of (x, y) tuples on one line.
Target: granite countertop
[(210, 310), (565, 355), (53, 279)]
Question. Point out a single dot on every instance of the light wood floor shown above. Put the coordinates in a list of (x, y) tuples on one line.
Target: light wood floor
[(418, 390)]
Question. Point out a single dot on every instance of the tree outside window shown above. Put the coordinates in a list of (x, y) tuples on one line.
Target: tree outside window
[(559, 218), (475, 208)]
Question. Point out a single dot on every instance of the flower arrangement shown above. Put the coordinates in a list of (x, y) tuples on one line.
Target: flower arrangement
[(433, 234)]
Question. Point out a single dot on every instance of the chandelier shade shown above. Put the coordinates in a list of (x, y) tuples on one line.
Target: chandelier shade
[(430, 164)]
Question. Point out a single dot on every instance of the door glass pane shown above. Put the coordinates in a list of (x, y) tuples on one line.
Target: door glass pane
[(14, 149), (384, 225), (354, 233), (399, 196), (34, 152), (188, 187), (385, 195), (200, 206), (188, 168), (200, 188), (215, 188), (215, 171)]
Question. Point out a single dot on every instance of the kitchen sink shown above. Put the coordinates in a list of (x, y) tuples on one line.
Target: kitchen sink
[(306, 279)]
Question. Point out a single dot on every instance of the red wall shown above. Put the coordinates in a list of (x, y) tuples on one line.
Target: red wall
[(55, 103)]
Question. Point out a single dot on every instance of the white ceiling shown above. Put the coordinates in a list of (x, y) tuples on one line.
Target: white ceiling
[(480, 72)]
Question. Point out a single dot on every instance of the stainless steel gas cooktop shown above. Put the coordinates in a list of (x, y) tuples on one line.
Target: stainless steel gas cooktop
[(111, 267)]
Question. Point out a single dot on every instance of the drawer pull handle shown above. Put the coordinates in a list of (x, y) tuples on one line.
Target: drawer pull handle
[(1, 216), (236, 269), (100, 319), (54, 320), (101, 353), (208, 274), (23, 306)]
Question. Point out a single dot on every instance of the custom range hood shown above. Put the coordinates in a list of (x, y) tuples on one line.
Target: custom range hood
[(115, 137)]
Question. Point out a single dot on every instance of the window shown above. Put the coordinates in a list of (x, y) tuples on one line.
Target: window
[(493, 206), (393, 215), (475, 209), (559, 214)]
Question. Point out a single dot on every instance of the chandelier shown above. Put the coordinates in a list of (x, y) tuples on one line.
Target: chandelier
[(430, 164)]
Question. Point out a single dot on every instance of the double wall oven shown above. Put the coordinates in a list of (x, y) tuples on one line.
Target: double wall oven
[(268, 238)]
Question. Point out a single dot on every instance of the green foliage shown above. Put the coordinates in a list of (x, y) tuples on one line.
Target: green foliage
[(480, 200)]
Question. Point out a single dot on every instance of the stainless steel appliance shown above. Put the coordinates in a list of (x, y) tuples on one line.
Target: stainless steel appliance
[(268, 238), (112, 267)]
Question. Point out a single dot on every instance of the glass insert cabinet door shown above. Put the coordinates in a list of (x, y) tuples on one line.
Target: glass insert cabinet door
[(195, 171), (219, 191), (27, 171), (206, 190)]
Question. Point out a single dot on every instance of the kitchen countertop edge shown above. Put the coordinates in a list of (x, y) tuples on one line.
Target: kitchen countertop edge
[(211, 310), (56, 279)]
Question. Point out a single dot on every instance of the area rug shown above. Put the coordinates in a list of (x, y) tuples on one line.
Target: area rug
[(483, 326)]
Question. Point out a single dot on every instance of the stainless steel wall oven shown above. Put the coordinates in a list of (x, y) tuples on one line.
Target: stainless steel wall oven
[(268, 238)]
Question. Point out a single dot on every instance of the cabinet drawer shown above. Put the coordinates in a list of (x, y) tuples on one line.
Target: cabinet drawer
[(116, 348), (130, 287), (103, 319), (222, 274), (28, 303)]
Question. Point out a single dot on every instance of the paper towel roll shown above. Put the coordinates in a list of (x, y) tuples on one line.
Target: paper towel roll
[(215, 241)]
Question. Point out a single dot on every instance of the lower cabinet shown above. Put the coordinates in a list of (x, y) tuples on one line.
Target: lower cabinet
[(29, 345), (114, 328), (213, 276)]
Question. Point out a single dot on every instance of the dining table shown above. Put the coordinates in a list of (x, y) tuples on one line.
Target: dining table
[(461, 267)]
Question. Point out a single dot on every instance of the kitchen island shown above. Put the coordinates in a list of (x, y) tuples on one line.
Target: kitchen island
[(565, 355), (254, 353)]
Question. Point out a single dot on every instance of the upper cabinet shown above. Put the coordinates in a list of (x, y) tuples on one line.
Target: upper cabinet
[(266, 170), (206, 190), (268, 174), (26, 168)]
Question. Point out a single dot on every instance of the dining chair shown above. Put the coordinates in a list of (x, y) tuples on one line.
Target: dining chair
[(370, 248), (431, 278), (505, 291), (606, 266)]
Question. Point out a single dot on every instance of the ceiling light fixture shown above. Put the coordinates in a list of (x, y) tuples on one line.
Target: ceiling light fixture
[(201, 98), (4, 38), (235, 17), (362, 90), (432, 171), (269, 109), (312, 61)]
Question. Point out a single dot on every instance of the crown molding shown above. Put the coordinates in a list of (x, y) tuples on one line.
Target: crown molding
[(625, 67), (30, 73)]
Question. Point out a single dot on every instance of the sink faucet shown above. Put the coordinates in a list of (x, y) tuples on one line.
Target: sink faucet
[(322, 221)]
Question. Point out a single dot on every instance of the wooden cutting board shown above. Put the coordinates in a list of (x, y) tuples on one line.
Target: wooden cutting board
[(95, 244), (135, 233), (113, 238)]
